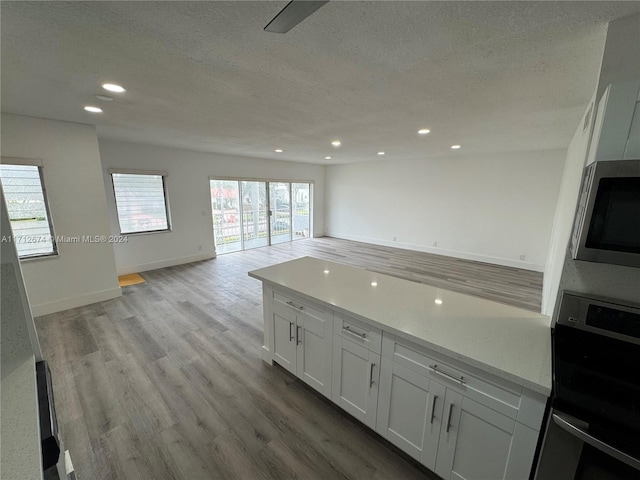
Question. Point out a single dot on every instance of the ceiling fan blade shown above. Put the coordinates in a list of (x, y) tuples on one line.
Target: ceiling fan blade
[(292, 14)]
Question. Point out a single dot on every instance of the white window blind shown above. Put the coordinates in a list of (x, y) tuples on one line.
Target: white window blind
[(28, 212), (140, 202)]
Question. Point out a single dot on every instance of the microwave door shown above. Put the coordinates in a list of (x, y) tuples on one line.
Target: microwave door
[(615, 220), (607, 227)]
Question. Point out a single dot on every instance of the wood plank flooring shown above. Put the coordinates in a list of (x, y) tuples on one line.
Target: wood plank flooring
[(167, 382)]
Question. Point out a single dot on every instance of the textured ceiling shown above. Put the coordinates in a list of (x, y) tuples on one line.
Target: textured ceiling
[(491, 76)]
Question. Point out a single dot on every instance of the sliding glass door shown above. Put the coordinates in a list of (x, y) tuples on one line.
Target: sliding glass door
[(280, 204), (301, 210), (250, 214), (255, 230), (225, 205)]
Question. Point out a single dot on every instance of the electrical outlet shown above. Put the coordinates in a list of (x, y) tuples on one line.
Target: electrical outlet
[(199, 248), (435, 244), (394, 239), (522, 257)]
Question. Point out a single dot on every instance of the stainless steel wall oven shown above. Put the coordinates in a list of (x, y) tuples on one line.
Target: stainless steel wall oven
[(593, 430)]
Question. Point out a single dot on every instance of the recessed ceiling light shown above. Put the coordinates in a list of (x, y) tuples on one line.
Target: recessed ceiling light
[(278, 150), (423, 131), (112, 87), (437, 301), (326, 271), (336, 143), (380, 153), (455, 147), (327, 158), (91, 109), (374, 284), (104, 98)]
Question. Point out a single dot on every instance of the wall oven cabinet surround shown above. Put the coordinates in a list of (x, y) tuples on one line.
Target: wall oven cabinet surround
[(460, 385)]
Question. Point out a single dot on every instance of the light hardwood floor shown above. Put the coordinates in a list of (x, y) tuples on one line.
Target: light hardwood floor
[(167, 381)]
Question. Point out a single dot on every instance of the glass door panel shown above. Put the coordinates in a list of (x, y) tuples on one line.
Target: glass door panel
[(301, 207), (254, 214), (225, 205), (280, 204)]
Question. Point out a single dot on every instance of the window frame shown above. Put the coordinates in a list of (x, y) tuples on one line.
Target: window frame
[(161, 173), (34, 162)]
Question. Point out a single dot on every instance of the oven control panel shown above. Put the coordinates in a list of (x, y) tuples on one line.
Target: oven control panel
[(601, 316)]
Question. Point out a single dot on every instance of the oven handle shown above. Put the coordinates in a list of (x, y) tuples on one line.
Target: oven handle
[(565, 422)]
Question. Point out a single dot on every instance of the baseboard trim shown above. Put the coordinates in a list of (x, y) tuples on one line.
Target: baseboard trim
[(73, 302), (506, 262), (266, 355), (144, 267)]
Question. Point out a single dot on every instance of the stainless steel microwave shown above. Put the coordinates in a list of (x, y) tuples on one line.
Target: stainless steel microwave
[(607, 223)]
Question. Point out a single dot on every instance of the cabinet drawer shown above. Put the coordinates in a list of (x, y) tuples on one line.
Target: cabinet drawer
[(286, 304), (486, 389), (358, 331)]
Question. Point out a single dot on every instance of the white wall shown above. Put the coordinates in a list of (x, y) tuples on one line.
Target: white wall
[(491, 208), (82, 273), (189, 199)]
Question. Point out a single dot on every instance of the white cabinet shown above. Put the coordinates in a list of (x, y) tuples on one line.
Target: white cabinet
[(457, 424), (477, 442), (302, 340), (356, 368), (285, 346), (356, 373), (458, 420), (616, 130), (410, 410)]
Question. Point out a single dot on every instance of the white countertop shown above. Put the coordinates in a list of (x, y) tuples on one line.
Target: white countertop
[(509, 342)]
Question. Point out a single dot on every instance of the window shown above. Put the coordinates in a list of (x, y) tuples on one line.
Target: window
[(28, 210), (141, 201)]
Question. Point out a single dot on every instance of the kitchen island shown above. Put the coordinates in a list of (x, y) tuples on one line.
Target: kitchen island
[(458, 382)]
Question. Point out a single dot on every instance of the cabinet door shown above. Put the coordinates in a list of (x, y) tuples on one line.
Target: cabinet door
[(356, 373), (313, 337), (477, 443), (409, 412), (614, 121), (284, 345)]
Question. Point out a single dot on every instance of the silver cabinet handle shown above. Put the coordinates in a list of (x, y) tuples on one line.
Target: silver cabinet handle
[(371, 382), (433, 408), (359, 335), (291, 304), (290, 331), (297, 334), (449, 419), (434, 368), (565, 422)]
